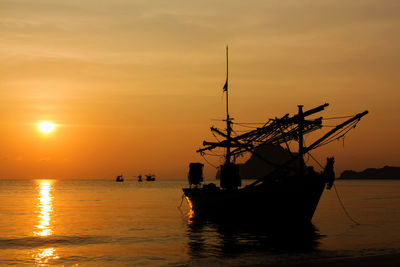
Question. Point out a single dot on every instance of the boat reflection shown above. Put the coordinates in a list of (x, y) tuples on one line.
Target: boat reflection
[(226, 238), (45, 207)]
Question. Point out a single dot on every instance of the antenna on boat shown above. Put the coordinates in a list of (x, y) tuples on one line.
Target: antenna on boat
[(301, 146), (226, 84), (228, 119)]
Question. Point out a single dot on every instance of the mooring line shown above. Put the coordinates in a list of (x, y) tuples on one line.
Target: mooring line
[(344, 209), (337, 193), (180, 205)]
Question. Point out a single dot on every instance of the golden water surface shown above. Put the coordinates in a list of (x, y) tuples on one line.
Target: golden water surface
[(103, 223)]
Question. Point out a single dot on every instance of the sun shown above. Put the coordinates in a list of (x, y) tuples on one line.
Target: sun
[(46, 127)]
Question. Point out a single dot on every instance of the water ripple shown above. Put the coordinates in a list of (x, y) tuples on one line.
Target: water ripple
[(37, 241)]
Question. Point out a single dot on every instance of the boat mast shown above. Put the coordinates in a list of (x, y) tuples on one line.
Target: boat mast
[(228, 119), (301, 145)]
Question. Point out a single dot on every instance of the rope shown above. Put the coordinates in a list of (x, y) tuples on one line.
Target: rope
[(208, 161), (215, 136), (337, 194), (322, 167), (335, 118), (240, 123), (344, 209), (240, 131), (180, 205), (331, 126), (246, 126), (339, 134), (212, 154)]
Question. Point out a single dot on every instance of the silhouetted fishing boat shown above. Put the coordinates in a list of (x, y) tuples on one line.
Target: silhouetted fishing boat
[(140, 178), (150, 177), (119, 178), (289, 193)]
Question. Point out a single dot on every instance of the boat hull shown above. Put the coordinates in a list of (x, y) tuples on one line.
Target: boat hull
[(277, 201)]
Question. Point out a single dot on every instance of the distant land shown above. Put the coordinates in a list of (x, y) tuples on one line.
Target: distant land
[(255, 168), (387, 172)]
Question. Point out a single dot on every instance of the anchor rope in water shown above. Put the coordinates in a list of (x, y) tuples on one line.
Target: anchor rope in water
[(344, 209), (337, 194), (180, 205)]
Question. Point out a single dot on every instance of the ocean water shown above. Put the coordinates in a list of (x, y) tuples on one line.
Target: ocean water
[(104, 223)]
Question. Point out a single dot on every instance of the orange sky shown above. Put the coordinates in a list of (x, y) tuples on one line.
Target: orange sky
[(133, 85)]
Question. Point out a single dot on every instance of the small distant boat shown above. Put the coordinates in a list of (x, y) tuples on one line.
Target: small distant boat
[(140, 178), (150, 177), (119, 178)]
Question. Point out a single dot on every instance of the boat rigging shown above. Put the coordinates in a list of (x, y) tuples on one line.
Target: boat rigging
[(291, 191)]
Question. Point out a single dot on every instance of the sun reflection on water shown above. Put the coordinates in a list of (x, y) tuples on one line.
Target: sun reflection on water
[(45, 205), (43, 256), (44, 227)]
